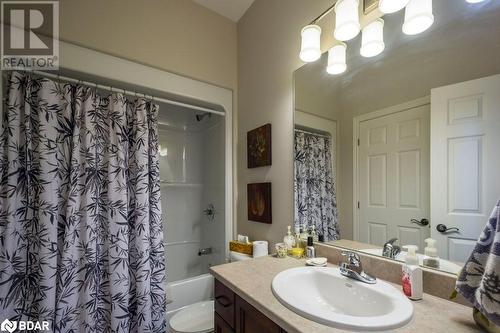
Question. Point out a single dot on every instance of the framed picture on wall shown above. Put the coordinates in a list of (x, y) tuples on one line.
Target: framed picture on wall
[(259, 202), (259, 147)]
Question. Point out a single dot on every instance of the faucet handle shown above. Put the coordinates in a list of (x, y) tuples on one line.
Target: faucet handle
[(353, 257)]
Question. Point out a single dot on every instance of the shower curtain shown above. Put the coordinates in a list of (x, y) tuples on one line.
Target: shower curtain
[(315, 199), (81, 237)]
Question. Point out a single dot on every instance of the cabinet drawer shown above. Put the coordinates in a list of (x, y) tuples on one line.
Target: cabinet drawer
[(220, 325), (224, 303)]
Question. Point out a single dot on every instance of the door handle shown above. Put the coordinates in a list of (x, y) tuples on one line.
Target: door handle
[(422, 222), (444, 229)]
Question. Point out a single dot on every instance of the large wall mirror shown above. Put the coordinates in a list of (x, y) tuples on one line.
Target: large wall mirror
[(404, 147)]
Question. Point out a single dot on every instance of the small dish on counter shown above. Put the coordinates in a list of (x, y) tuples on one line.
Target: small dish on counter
[(317, 262)]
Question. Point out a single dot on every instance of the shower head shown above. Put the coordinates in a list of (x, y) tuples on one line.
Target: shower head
[(201, 116)]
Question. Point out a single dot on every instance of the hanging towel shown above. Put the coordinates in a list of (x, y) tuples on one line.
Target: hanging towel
[(479, 280)]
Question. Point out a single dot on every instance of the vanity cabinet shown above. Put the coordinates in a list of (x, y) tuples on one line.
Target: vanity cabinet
[(235, 315), (224, 303), (220, 325)]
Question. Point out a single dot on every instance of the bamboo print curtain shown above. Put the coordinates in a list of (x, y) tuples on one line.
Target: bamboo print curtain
[(315, 199), (81, 239)]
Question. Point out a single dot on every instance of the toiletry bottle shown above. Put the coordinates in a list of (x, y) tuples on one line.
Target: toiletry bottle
[(412, 280), (296, 234), (297, 251), (431, 258), (310, 251), (303, 236), (289, 240), (314, 234)]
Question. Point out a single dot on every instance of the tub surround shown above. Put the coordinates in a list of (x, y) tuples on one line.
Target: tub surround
[(251, 281)]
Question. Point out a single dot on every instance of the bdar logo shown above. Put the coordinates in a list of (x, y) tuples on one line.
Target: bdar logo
[(9, 326)]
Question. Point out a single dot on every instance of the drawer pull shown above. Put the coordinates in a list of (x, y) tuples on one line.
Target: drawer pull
[(223, 300)]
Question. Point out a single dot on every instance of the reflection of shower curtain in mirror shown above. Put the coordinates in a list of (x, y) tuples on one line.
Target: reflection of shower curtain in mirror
[(315, 199)]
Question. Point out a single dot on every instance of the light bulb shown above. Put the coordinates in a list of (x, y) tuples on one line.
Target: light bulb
[(337, 59), (418, 17), (346, 20), (392, 6), (310, 49), (372, 40)]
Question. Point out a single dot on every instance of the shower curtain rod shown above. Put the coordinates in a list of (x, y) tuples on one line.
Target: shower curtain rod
[(313, 133), (125, 92)]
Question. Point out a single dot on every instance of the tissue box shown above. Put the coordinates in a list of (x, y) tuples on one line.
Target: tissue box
[(241, 247)]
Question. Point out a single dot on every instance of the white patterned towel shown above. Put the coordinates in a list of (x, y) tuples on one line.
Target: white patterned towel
[(479, 280)]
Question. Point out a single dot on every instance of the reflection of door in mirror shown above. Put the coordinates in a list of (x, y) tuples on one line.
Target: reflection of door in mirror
[(314, 174), (465, 163), (393, 174)]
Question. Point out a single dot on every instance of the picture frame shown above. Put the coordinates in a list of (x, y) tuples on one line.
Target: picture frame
[(259, 147), (259, 202)]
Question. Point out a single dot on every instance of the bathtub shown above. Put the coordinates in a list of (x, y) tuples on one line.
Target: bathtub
[(189, 291)]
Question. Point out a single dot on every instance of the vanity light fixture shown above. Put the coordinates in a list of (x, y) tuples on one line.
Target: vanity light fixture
[(310, 49), (474, 1), (392, 6), (337, 56), (346, 20), (372, 39), (418, 17)]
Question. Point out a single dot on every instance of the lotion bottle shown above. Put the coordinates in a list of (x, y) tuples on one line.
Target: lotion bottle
[(412, 279), (289, 240)]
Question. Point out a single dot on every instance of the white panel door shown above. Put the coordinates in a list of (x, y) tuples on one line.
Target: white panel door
[(465, 162), (393, 177)]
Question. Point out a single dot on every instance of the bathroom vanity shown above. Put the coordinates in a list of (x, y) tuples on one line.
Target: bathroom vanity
[(244, 302)]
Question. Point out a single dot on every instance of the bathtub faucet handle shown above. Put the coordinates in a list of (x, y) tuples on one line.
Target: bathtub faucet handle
[(205, 251)]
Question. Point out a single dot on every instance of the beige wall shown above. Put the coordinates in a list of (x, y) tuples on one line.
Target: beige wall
[(174, 35), (268, 46)]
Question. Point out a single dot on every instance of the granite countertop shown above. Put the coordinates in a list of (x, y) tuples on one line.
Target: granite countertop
[(251, 280)]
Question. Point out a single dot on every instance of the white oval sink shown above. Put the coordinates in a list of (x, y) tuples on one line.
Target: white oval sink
[(323, 295), (444, 264)]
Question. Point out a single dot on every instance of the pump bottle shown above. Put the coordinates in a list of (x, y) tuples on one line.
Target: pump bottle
[(412, 279)]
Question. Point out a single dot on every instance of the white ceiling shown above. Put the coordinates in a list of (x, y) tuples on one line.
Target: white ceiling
[(232, 9)]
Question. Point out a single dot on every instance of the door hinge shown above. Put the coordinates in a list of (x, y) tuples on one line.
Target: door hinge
[(358, 204), (358, 142)]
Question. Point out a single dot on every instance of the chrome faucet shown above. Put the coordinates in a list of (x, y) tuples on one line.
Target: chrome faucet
[(391, 250), (353, 268)]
